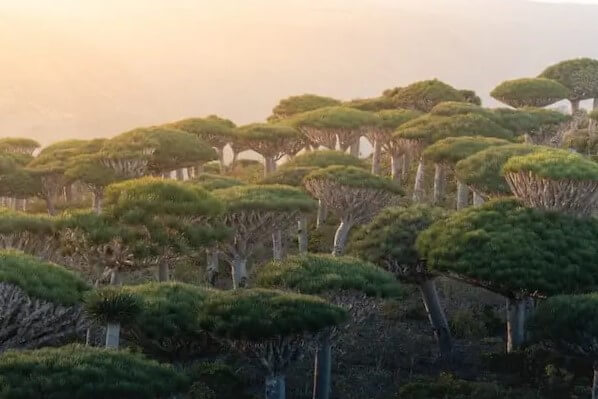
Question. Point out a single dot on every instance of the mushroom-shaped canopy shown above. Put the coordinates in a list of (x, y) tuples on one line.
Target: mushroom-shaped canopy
[(214, 130), (579, 75), (19, 145), (323, 159), (424, 95), (210, 182), (288, 176), (297, 104), (530, 92), (353, 177), (371, 104), (267, 198), (451, 150)]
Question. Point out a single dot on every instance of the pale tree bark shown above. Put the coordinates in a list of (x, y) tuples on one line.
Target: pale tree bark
[(437, 317), (112, 335), (323, 369), (269, 165), (239, 272), (302, 234), (180, 174), (191, 172), (275, 387), (341, 235), (68, 193), (277, 251), (322, 214), (396, 167), (221, 162), (439, 183), (163, 274), (97, 201), (462, 195), (405, 169), (478, 200), (198, 169), (574, 106), (516, 318), (376, 157), (354, 148), (212, 266), (418, 187), (115, 278), (50, 206)]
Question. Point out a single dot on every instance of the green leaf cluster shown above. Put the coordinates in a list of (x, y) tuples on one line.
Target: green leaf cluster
[(452, 108), (453, 149), (57, 157), (579, 75), (211, 182), (267, 132), (355, 178), (112, 305), (318, 274), (297, 104), (77, 372), (392, 119), (212, 129), (512, 249), (338, 117), (554, 164), (288, 176), (16, 222), (373, 104), (18, 144), (531, 92), (276, 198), (425, 95), (323, 159), (593, 114)]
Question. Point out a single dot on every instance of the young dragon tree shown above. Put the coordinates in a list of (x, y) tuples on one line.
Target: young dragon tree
[(269, 326), (353, 194), (554, 180), (216, 131), (568, 324), (389, 242), (419, 133), (484, 246), (271, 141), (530, 92), (252, 213), (349, 283), (40, 303), (446, 153)]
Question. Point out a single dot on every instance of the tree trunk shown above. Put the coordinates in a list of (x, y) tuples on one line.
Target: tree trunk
[(212, 266), (439, 180), (191, 172), (418, 187), (376, 157), (516, 317), (50, 206), (275, 387), (593, 124), (68, 193), (220, 152), (198, 169), (239, 272), (478, 200), (115, 278), (462, 195), (163, 272), (322, 214), (405, 168), (354, 148), (277, 253), (269, 165), (112, 335), (595, 382), (323, 369), (396, 163), (437, 317), (98, 199), (340, 237), (574, 106), (235, 157), (180, 174), (302, 234)]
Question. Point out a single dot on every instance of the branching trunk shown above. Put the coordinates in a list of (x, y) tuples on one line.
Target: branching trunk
[(275, 387), (341, 235), (322, 214), (478, 200), (354, 148), (221, 162), (418, 187), (376, 157), (68, 193), (277, 253), (163, 274), (180, 174), (396, 167), (239, 272), (98, 199), (212, 266), (516, 318), (323, 369), (462, 195), (439, 183), (437, 317), (50, 206), (269, 165), (302, 238), (112, 335)]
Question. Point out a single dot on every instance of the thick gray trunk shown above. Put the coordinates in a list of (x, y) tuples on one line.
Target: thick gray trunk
[(112, 335), (396, 164), (269, 165), (275, 387), (478, 200), (322, 214), (437, 317), (198, 169), (340, 237), (50, 206), (180, 174), (595, 382), (191, 172), (277, 253), (115, 278), (354, 148), (405, 168), (68, 193), (418, 187), (574, 106), (239, 272), (516, 317), (376, 157), (163, 272), (302, 234), (212, 266), (220, 152), (439, 180), (462, 195), (97, 202), (323, 369)]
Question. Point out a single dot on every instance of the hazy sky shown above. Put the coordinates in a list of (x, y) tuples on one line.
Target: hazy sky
[(85, 68)]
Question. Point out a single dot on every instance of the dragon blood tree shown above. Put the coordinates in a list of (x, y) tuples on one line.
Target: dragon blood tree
[(268, 325), (18, 145), (373, 104), (253, 213), (211, 182), (482, 171), (172, 214), (16, 182), (446, 153), (389, 242), (216, 131), (294, 105), (568, 324), (271, 141), (579, 75), (349, 283), (324, 125), (353, 194), (530, 92), (77, 372), (419, 133), (554, 180), (40, 303), (381, 138), (424, 95), (484, 246)]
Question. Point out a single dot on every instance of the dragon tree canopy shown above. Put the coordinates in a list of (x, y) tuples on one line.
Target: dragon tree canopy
[(294, 105), (530, 92)]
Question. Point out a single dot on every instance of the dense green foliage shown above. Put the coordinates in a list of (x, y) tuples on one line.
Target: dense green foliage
[(18, 145), (267, 132), (335, 118), (89, 170), (57, 157), (211, 182), (318, 274), (297, 104), (371, 104), (453, 149), (214, 130), (354, 177), (112, 305), (260, 314), (389, 239), (483, 170), (41, 280), (554, 164), (288, 176), (579, 75), (532, 92), (424, 95), (75, 372), (392, 119), (508, 248), (452, 108), (16, 222), (276, 198), (323, 159), (593, 114)]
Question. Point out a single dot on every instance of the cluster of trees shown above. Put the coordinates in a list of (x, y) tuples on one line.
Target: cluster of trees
[(521, 225)]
